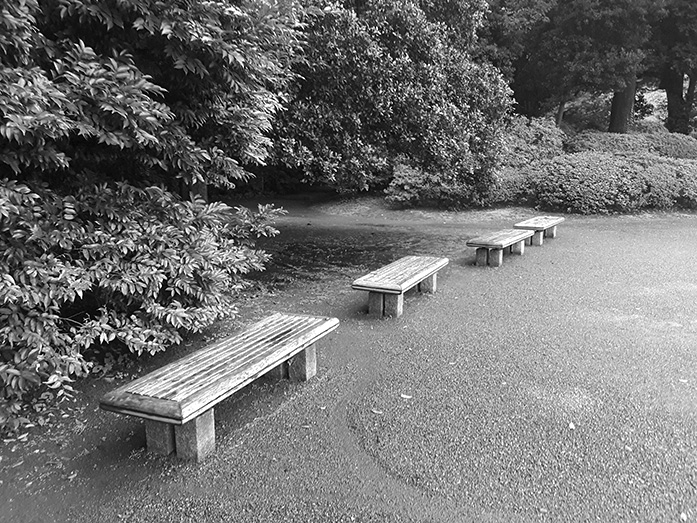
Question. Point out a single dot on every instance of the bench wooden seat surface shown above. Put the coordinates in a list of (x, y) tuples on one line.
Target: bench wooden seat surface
[(182, 390), (401, 275), (539, 223), (500, 239)]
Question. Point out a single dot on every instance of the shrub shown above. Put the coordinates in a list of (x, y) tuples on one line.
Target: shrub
[(526, 142), (589, 112), (530, 139), (601, 183), (412, 186), (648, 126), (111, 264), (607, 142), (671, 145), (674, 145)]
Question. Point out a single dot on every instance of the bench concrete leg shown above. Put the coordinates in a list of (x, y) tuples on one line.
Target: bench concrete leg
[(482, 256), (495, 257), (159, 437), (303, 365), (537, 238), (429, 284), (551, 232), (196, 440), (394, 305), (376, 304), (518, 248), (280, 372)]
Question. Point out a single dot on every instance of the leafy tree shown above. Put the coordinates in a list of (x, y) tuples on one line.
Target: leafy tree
[(385, 85), (188, 88), (503, 37), (585, 46), (104, 104)]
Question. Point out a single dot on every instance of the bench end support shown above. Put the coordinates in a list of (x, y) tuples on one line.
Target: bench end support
[(538, 238), (429, 284), (195, 440), (159, 437), (394, 305), (482, 256), (495, 257), (303, 365), (518, 248), (376, 304)]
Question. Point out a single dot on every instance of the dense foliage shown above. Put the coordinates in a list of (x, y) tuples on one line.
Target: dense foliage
[(142, 89), (526, 142), (393, 86), (601, 183), (670, 145), (111, 264), (106, 107), (596, 172)]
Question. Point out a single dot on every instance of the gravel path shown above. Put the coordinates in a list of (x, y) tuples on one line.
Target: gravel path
[(561, 386)]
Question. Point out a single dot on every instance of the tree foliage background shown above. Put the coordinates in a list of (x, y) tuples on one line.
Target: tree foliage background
[(554, 50), (392, 84)]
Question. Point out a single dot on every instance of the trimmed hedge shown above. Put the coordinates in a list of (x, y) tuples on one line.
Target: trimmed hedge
[(670, 145), (527, 141), (603, 183)]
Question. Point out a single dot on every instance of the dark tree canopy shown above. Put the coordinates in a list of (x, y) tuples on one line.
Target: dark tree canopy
[(554, 50)]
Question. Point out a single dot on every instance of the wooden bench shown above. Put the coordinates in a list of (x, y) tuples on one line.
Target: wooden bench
[(387, 285), (543, 227), (490, 247), (177, 400)]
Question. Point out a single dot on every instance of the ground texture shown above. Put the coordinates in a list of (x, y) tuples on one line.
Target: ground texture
[(561, 386)]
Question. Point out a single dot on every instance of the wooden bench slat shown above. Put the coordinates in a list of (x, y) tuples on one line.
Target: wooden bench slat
[(500, 239), (400, 275), (198, 401), (197, 382), (213, 355), (217, 356), (539, 223), (281, 349)]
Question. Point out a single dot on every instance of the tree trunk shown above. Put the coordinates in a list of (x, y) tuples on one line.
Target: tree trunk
[(623, 107), (678, 120)]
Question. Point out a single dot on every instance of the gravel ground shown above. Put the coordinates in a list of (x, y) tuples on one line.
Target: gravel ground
[(561, 386)]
